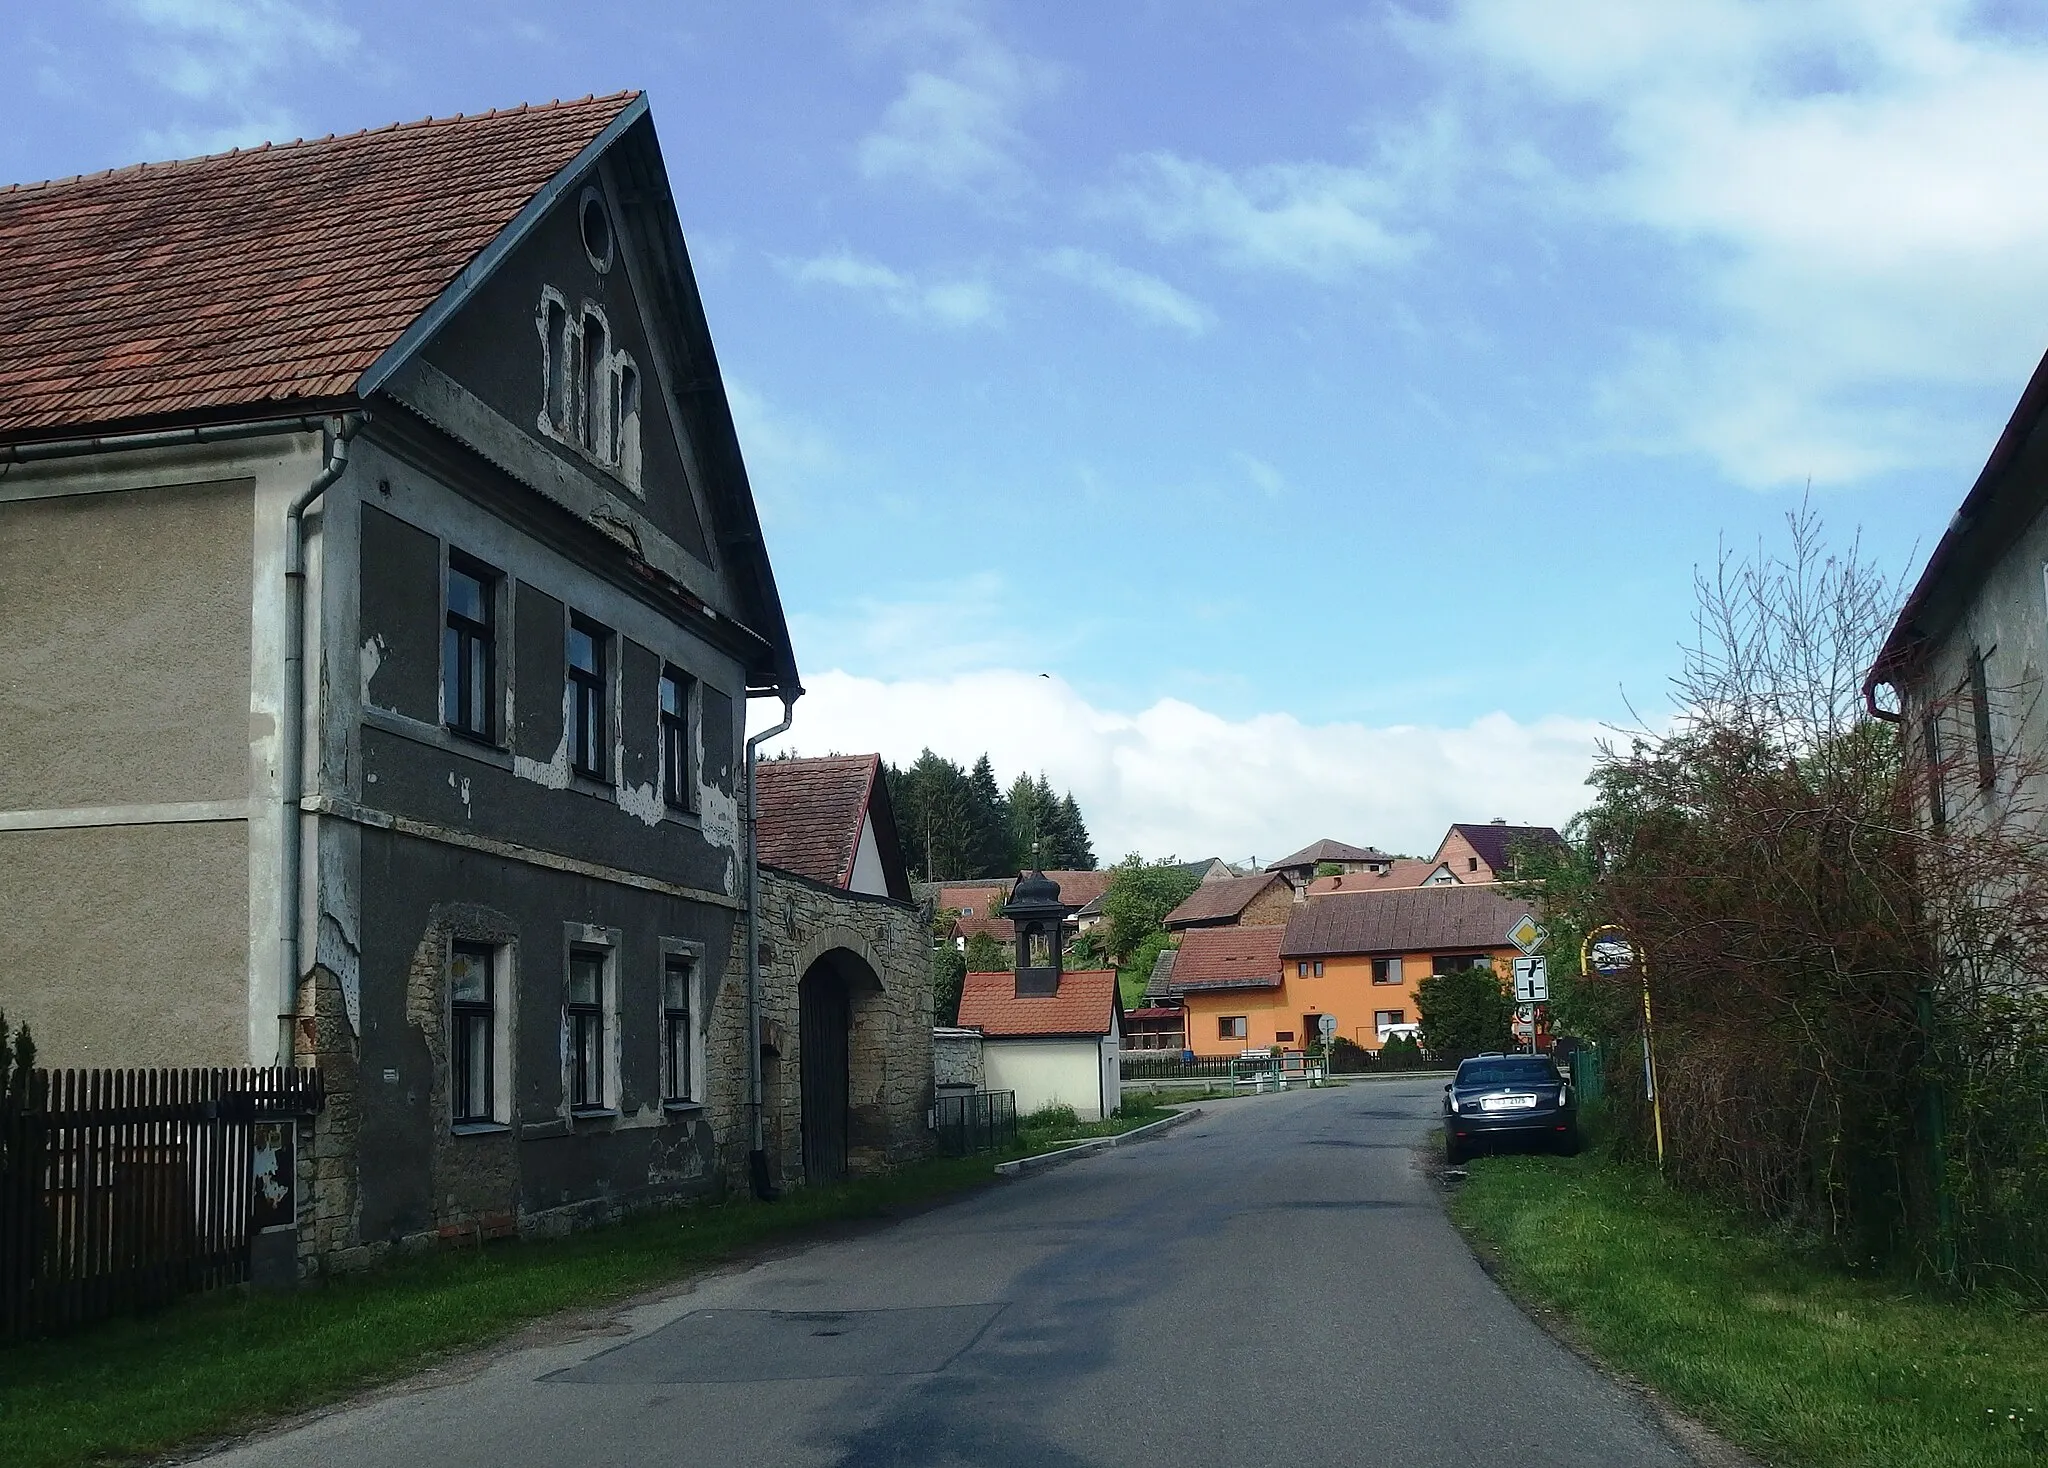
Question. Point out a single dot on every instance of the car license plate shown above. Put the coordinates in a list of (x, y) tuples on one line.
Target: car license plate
[(1506, 1103)]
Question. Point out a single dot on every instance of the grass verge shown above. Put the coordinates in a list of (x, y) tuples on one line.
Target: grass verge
[(1052, 1126), (1771, 1347), (216, 1365)]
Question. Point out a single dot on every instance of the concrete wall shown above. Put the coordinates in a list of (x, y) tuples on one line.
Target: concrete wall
[(2007, 622), (1048, 1073), (137, 741)]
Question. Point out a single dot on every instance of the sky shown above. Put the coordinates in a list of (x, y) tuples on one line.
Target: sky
[(1271, 421)]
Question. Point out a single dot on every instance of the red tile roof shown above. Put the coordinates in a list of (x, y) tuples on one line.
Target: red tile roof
[(1407, 920), (958, 895), (1078, 889), (257, 279), (1085, 1005), (812, 811), (999, 928), (1228, 958), (1220, 901)]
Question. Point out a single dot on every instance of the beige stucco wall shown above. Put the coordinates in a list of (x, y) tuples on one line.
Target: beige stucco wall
[(127, 945), (124, 671), (1046, 1073)]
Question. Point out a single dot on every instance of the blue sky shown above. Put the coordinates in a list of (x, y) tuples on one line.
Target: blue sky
[(1334, 400)]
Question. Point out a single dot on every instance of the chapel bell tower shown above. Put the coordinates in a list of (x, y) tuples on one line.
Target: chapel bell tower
[(1035, 910)]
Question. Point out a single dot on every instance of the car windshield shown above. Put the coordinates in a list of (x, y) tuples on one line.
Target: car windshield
[(1529, 1071)]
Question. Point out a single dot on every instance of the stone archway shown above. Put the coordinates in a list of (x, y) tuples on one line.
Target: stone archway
[(835, 985)]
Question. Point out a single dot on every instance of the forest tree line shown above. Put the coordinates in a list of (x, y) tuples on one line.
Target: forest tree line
[(957, 824)]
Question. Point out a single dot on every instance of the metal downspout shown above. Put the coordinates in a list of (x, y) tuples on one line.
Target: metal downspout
[(291, 737), (757, 1156)]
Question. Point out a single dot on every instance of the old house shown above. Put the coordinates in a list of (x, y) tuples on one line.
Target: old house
[(845, 977), (383, 591), (1356, 958), (1050, 1035), (1402, 871), (1233, 901), (1967, 654)]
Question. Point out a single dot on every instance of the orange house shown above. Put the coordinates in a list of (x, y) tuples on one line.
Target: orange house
[(1356, 957)]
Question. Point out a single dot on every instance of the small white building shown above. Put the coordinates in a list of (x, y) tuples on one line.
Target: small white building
[(1050, 1036)]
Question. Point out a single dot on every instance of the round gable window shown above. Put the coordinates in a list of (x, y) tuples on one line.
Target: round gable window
[(597, 230)]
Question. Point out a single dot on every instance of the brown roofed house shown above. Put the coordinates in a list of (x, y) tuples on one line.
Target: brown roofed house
[(1255, 901), (1485, 853), (1299, 867), (828, 820)]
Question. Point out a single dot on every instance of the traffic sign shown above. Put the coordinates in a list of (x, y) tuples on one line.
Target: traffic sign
[(1327, 1023), (1532, 980), (1527, 934)]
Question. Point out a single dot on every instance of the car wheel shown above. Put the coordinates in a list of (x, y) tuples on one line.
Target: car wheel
[(1571, 1144), (1454, 1150)]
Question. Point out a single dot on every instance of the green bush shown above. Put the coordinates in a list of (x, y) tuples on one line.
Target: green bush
[(1046, 1118)]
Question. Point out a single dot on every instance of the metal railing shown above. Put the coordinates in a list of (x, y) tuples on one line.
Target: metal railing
[(983, 1122)]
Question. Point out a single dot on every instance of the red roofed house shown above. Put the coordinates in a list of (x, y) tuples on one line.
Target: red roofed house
[(1357, 958), (383, 591), (1050, 1036), (1247, 901)]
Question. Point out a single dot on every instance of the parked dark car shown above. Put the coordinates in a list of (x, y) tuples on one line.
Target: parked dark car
[(1522, 1099)]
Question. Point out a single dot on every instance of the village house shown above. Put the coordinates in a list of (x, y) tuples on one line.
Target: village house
[(1402, 871), (1357, 958), (1049, 1035), (1301, 867), (1967, 653), (384, 591), (1486, 853), (1254, 901)]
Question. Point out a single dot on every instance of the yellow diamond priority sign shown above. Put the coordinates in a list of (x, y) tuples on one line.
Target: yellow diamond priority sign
[(1526, 934)]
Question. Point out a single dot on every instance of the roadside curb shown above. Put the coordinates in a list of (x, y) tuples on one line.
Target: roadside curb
[(1024, 1166)]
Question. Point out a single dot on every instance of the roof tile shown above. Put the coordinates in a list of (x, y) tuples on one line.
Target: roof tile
[(1084, 1005)]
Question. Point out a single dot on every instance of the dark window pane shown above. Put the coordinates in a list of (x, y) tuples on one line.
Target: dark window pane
[(465, 595), (469, 976), (586, 979)]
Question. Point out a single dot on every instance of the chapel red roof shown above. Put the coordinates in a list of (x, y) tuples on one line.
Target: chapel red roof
[(268, 278), (1085, 1005)]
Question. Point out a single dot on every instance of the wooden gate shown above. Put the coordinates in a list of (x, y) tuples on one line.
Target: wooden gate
[(824, 1019)]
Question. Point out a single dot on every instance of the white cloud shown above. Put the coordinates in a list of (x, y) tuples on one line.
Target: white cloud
[(207, 50), (1858, 187), (784, 453), (1146, 297), (1320, 220), (920, 631), (1268, 480), (954, 303), (1174, 778), (954, 125)]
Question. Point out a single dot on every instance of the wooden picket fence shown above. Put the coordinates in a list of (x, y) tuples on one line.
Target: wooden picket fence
[(122, 1189)]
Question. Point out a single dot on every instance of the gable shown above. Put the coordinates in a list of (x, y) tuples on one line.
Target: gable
[(518, 344)]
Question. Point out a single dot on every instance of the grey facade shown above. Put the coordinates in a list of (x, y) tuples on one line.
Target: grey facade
[(515, 944)]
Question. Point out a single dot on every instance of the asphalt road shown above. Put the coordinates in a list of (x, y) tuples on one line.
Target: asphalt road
[(1271, 1282)]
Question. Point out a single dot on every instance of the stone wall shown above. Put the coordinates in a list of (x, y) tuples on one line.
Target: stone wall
[(956, 1059), (802, 924)]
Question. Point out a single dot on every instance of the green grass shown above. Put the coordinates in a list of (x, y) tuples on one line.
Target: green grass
[(1771, 1346), (1131, 985), (1053, 1125), (215, 1365)]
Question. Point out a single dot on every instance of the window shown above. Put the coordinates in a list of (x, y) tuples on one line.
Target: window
[(1383, 1019), (1386, 970), (555, 373), (1471, 863), (472, 1034), (625, 434), (1283, 1037), (1305, 969), (677, 784), (967, 912), (675, 1030), (593, 399), (1980, 708), (587, 690), (1452, 963), (468, 681), (586, 1029), (1937, 795), (1230, 1027)]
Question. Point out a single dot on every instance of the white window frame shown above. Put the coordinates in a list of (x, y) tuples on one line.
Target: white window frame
[(690, 951), (504, 962), (605, 942)]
